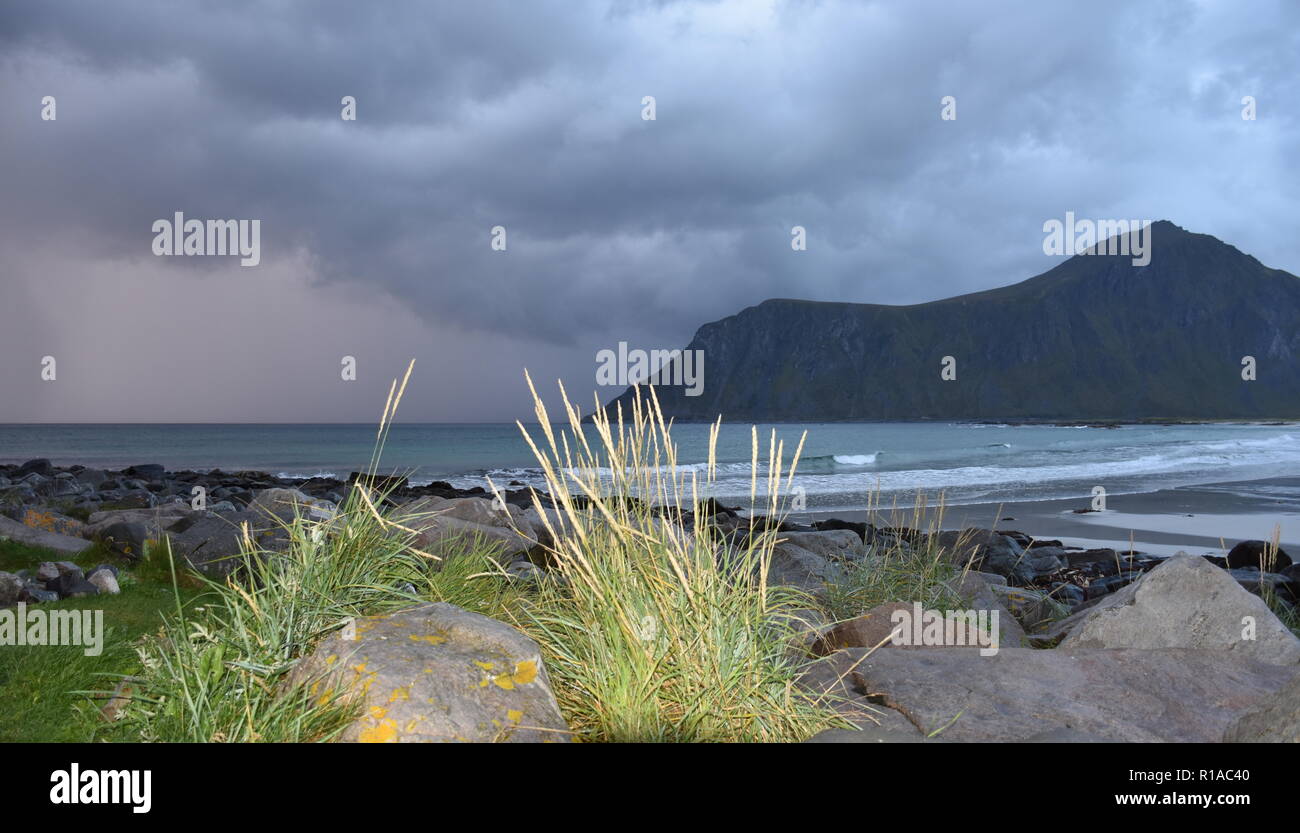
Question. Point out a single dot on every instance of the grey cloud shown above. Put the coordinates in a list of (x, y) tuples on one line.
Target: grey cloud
[(526, 115)]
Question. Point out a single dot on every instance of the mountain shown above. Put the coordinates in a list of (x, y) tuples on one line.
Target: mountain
[(1095, 338)]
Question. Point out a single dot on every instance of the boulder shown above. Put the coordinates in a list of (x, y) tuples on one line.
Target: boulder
[(284, 504), (91, 477), (39, 466), (864, 531), (837, 544), (156, 520), (1134, 695), (982, 549), (35, 593), (126, 538), (1251, 579), (72, 586), (1096, 557), (447, 527), (979, 592), (40, 517), (1031, 608), (434, 673), (213, 544), (794, 566), (866, 631), (23, 534), (1253, 553), (1041, 562), (1187, 602), (11, 589), (105, 582), (1275, 720)]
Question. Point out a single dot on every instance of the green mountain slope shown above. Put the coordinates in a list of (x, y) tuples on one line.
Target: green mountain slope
[(1093, 338)]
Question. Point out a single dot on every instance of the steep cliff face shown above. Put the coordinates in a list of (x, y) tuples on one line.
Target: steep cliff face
[(1093, 338)]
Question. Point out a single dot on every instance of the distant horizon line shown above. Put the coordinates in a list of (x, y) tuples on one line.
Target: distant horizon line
[(1019, 420)]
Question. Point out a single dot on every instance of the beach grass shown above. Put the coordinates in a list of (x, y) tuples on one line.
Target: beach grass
[(653, 631), (918, 570)]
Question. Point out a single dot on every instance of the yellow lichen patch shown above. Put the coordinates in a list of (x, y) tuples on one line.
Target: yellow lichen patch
[(514, 715), (432, 639), (385, 731), (400, 693), (486, 666), (525, 672), (331, 659), (378, 712)]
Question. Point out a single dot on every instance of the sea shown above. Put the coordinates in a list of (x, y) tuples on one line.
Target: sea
[(844, 466)]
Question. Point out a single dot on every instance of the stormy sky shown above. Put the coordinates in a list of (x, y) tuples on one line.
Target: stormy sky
[(376, 233)]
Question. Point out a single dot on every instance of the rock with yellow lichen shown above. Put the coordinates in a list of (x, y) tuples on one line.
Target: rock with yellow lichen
[(437, 672)]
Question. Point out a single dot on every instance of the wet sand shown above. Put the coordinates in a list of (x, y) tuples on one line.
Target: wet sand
[(1208, 518)]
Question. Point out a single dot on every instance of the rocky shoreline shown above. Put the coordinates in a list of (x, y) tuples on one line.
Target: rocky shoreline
[(1093, 623), (67, 509)]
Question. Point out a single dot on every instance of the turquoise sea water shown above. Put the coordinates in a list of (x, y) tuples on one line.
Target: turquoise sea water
[(842, 462)]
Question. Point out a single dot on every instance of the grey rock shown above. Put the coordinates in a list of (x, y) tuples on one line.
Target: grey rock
[(1032, 608), (1186, 602), (1275, 720), (212, 544), (11, 588), (91, 477), (436, 672), (15, 531), (838, 544), (73, 587), (35, 594), (1252, 580), (286, 503), (1135, 695), (448, 527), (47, 571), (1041, 562), (39, 466), (981, 549), (980, 591), (1068, 594), (525, 571), (795, 566), (1253, 553), (105, 582), (871, 734), (126, 538)]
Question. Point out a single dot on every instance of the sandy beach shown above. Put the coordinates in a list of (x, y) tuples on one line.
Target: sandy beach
[(1207, 518)]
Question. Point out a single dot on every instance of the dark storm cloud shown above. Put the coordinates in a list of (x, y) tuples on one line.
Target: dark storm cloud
[(527, 115)]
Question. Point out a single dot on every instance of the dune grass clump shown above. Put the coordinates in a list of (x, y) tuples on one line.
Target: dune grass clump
[(919, 570), (651, 630), (220, 671)]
